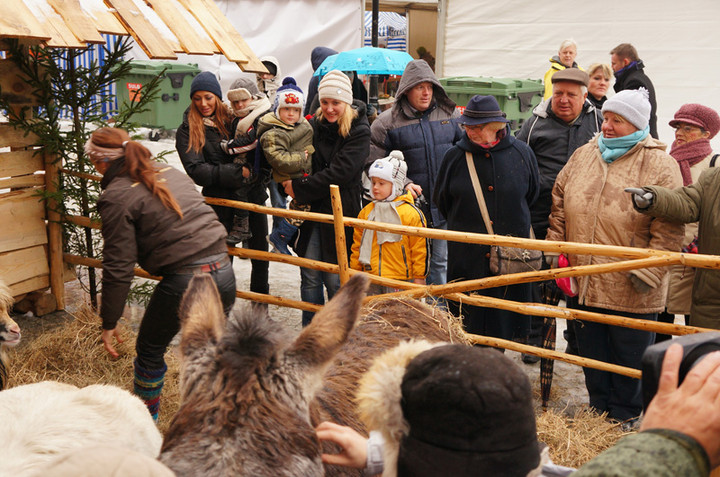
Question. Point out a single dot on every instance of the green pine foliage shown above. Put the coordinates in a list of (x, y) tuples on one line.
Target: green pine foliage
[(73, 100)]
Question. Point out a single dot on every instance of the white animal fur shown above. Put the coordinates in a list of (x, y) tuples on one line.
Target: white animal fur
[(44, 420)]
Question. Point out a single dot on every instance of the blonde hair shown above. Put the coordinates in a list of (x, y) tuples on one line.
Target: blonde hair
[(606, 70), (197, 126), (138, 164), (344, 122)]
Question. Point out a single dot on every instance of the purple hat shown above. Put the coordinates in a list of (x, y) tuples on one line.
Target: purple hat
[(482, 110), (698, 115)]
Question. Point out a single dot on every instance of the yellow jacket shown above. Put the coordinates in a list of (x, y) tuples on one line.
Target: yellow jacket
[(555, 66), (403, 260)]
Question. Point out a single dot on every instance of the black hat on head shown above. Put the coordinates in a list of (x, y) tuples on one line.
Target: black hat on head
[(469, 412), (482, 110)]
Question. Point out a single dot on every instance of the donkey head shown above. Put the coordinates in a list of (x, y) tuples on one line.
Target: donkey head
[(246, 387), (9, 330)]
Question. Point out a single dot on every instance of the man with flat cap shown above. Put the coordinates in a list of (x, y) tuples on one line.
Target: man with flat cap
[(558, 126)]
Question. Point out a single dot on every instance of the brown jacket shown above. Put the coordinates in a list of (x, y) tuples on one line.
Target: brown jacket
[(590, 206), (138, 228)]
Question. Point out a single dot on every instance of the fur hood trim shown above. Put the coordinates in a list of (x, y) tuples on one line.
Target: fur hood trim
[(379, 395)]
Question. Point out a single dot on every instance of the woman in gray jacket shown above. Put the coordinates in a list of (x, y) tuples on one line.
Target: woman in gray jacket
[(152, 215)]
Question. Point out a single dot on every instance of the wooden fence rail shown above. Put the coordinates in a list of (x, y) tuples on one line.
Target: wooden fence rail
[(631, 258)]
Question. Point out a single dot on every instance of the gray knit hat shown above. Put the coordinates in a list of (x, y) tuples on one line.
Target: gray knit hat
[(392, 169), (336, 85), (631, 104), (242, 89)]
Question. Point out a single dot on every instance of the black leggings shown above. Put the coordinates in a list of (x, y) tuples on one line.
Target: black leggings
[(161, 321)]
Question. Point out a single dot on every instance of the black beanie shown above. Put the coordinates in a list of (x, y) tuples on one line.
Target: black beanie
[(206, 81), (470, 413)]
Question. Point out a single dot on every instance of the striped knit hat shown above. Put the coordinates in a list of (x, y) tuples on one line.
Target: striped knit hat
[(336, 85)]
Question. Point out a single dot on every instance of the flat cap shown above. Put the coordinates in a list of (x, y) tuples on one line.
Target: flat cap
[(574, 75)]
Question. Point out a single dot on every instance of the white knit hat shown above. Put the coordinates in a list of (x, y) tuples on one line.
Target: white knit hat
[(336, 85), (631, 104), (392, 169)]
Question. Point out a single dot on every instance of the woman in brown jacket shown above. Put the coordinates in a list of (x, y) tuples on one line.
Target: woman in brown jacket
[(152, 215), (589, 206)]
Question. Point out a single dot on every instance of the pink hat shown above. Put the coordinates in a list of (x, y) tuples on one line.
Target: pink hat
[(698, 115)]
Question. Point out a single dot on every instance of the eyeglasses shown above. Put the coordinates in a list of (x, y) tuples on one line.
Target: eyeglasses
[(686, 128), (475, 127)]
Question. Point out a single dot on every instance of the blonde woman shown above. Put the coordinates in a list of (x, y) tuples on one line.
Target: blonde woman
[(341, 139), (600, 76)]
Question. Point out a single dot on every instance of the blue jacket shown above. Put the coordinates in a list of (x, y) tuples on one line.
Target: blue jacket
[(423, 138)]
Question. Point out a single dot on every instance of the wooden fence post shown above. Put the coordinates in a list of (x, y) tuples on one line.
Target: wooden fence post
[(339, 224), (55, 239)]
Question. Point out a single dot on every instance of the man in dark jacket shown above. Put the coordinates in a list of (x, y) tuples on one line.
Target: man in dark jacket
[(557, 128), (423, 125), (629, 74)]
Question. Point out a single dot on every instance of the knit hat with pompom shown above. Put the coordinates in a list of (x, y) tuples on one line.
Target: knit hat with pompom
[(289, 95)]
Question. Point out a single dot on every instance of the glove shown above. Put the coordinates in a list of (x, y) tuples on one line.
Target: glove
[(224, 146), (639, 285), (642, 198), (551, 259)]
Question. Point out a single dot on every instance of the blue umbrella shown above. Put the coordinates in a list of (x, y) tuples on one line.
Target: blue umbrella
[(366, 61)]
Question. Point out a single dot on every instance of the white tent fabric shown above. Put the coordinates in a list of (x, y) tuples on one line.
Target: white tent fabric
[(286, 30), (680, 45), (392, 30)]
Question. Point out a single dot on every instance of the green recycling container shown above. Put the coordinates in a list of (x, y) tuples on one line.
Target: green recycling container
[(173, 98), (516, 97)]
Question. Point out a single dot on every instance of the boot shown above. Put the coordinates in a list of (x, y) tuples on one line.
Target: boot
[(148, 385), (240, 230), (281, 237)]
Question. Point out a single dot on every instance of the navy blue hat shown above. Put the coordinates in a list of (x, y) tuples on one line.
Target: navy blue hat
[(482, 110), (206, 81), (289, 95)]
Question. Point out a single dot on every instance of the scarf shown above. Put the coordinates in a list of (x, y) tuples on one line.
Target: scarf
[(383, 211), (210, 121), (614, 147), (689, 154), (256, 108)]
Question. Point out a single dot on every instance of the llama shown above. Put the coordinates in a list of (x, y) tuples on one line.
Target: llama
[(251, 397), (47, 420), (9, 330)]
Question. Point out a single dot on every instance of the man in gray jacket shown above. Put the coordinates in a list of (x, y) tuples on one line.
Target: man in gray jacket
[(422, 125), (557, 128)]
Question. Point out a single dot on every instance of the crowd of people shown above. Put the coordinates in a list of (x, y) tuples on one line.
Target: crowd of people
[(422, 163)]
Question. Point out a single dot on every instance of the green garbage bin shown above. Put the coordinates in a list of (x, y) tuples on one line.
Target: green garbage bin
[(166, 111), (516, 97)]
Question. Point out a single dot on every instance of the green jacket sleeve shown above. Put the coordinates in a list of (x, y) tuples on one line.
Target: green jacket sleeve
[(657, 453)]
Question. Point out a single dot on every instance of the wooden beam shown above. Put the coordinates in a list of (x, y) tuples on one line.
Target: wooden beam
[(28, 229), (76, 20), (11, 137), (144, 32), (230, 42), (17, 163), (18, 21), (29, 180), (24, 264), (40, 282), (61, 35), (103, 19), (54, 231), (192, 40), (14, 87)]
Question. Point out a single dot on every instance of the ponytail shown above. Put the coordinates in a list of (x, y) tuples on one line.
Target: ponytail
[(108, 142)]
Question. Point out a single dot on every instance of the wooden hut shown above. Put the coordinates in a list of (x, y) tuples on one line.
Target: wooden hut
[(31, 246)]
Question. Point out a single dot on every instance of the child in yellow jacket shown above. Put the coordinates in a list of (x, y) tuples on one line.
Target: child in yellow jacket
[(389, 255)]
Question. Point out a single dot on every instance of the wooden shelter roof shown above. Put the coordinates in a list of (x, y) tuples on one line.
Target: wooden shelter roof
[(161, 28)]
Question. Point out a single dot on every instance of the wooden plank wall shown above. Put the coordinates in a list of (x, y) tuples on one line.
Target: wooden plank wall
[(24, 263)]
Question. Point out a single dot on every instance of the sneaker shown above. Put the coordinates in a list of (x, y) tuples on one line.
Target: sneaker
[(530, 358), (240, 231)]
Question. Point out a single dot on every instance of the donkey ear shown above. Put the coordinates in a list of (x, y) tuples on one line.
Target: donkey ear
[(201, 314), (322, 338)]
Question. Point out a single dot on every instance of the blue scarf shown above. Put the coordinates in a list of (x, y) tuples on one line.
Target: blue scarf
[(614, 147)]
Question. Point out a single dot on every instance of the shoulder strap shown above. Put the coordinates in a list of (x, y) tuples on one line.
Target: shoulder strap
[(714, 160), (478, 193)]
